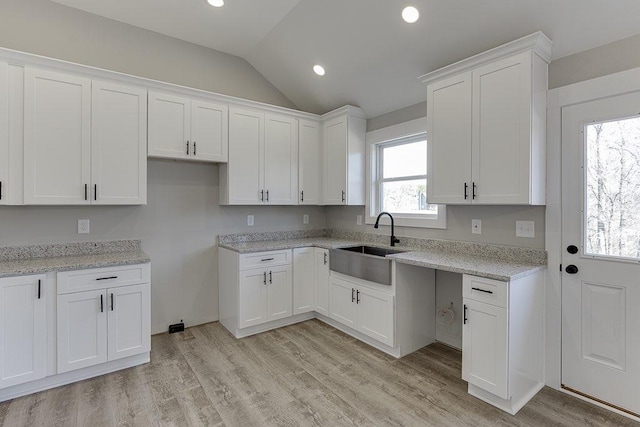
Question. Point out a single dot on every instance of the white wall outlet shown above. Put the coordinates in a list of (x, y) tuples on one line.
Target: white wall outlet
[(250, 220), (476, 226), (83, 226), (359, 220), (525, 229), (305, 219)]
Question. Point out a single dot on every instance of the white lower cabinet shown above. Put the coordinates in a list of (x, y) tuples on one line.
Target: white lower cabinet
[(321, 282), (502, 338), (362, 308), (311, 280), (104, 324), (23, 327)]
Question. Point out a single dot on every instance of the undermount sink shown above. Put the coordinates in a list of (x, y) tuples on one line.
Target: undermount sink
[(364, 262)]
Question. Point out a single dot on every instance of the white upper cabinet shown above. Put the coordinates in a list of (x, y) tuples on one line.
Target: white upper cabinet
[(57, 138), (84, 141), (182, 128), (118, 144), (4, 132), (280, 160), (343, 133), (309, 167), (263, 159), (486, 126)]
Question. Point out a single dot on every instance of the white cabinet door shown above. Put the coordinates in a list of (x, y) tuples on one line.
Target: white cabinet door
[(342, 304), (119, 144), (449, 145), (129, 321), (322, 281), (23, 339), (309, 168), (280, 295), (502, 131), (57, 138), (252, 298), (246, 144), (169, 126), (485, 347), (303, 280), (335, 161), (375, 314), (280, 160), (4, 132), (82, 330), (209, 131)]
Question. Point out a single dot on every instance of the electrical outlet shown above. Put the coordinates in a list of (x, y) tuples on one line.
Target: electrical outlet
[(305, 219), (250, 220), (83, 226), (359, 220), (476, 226), (525, 229)]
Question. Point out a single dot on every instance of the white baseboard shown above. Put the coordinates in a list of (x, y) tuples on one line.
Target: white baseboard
[(72, 377)]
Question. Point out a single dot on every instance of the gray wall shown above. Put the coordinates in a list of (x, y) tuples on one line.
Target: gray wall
[(46, 28), (178, 228), (179, 225)]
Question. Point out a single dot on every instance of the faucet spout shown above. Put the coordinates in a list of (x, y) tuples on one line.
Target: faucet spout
[(394, 240)]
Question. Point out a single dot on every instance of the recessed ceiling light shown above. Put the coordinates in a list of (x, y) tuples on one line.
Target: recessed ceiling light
[(216, 3), (410, 14), (318, 69)]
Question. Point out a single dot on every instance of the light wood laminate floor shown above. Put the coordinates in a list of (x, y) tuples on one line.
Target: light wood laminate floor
[(306, 374)]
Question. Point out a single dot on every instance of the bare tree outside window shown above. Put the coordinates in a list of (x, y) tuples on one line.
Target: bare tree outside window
[(612, 200)]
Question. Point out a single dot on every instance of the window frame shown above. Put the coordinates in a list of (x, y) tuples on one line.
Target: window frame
[(406, 132)]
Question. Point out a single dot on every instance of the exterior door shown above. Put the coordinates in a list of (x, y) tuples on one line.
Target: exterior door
[(601, 250), (119, 144)]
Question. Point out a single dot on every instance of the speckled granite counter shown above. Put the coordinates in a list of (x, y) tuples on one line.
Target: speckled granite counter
[(490, 261), (37, 259)]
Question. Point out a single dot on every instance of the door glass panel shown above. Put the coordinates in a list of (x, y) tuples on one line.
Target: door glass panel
[(612, 201)]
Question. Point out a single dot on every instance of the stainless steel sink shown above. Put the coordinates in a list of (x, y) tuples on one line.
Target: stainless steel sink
[(364, 262)]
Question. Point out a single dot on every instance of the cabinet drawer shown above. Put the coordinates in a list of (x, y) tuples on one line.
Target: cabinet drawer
[(489, 291), (100, 278), (265, 259)]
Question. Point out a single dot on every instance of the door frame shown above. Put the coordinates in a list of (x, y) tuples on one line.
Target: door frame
[(557, 99)]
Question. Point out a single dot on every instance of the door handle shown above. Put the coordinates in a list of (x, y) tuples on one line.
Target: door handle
[(301, 195), (466, 187), (353, 298), (85, 191), (187, 148), (194, 148), (270, 278), (112, 302), (264, 279), (101, 303), (464, 316), (267, 196), (325, 258), (482, 290), (39, 288), (572, 249), (343, 196), (571, 269), (262, 195), (95, 191), (358, 297), (474, 191)]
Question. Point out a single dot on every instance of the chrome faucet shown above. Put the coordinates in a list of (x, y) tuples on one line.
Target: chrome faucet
[(394, 240)]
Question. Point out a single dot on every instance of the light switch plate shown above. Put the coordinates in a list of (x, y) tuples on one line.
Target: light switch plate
[(525, 229), (305, 219), (250, 220), (476, 226), (83, 226)]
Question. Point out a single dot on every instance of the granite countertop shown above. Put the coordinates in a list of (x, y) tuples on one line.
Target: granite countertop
[(491, 268), (26, 263)]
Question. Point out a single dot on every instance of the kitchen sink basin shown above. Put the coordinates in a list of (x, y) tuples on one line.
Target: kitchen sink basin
[(364, 262)]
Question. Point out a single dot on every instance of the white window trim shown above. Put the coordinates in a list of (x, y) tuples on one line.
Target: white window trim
[(373, 139)]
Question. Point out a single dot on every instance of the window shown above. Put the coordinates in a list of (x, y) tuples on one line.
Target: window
[(398, 178)]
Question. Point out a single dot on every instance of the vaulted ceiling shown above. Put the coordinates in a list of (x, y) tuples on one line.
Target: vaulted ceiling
[(372, 58)]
